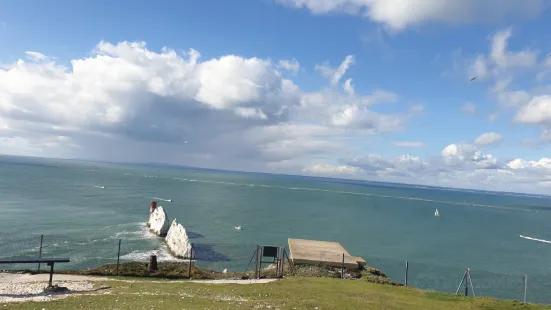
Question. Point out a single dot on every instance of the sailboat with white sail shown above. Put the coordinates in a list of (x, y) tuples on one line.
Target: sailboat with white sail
[(436, 213)]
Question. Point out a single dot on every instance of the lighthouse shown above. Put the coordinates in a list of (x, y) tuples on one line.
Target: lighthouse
[(152, 206)]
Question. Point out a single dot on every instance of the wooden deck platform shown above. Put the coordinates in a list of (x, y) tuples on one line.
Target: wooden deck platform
[(314, 252)]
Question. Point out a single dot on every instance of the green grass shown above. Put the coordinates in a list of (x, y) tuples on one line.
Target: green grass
[(290, 293)]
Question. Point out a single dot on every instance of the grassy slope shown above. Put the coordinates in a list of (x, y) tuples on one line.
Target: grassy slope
[(290, 293)]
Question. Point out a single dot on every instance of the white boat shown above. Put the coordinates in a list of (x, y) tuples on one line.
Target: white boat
[(436, 213), (238, 227)]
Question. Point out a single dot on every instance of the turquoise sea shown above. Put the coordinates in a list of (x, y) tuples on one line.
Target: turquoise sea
[(84, 208)]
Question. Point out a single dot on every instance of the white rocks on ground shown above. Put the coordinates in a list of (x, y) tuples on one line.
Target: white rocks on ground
[(158, 222), (15, 288), (177, 241)]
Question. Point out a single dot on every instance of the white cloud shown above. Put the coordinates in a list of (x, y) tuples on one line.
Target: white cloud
[(332, 171), (335, 74), (537, 111), (504, 59), (467, 157), (231, 81), (35, 56), (128, 103), (516, 164), (351, 112), (404, 166), (458, 165), (512, 85), (250, 113), (400, 14), (409, 144), (493, 116), (500, 61), (289, 65), (488, 138), (468, 108), (348, 87)]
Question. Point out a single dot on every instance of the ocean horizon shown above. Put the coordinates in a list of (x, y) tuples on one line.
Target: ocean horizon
[(83, 208), (334, 179)]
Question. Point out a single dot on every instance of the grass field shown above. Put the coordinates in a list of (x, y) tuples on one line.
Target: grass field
[(289, 293)]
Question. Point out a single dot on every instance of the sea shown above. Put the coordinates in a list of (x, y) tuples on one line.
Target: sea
[(86, 210)]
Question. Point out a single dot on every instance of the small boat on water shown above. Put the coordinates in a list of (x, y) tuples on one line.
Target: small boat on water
[(436, 213), (238, 227)]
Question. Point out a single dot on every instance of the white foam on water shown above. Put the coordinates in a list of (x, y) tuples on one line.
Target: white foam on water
[(139, 233), (131, 232), (162, 255)]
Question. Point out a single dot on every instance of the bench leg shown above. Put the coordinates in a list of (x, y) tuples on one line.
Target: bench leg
[(51, 274)]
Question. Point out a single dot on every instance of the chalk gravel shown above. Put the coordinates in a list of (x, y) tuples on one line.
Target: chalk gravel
[(26, 287), (20, 288)]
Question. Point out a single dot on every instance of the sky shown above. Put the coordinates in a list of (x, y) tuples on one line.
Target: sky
[(453, 93)]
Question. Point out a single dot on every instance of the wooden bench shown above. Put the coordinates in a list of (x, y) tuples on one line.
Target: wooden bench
[(48, 261)]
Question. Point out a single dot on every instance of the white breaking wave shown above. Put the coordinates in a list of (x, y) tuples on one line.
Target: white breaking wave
[(162, 255), (535, 239), (142, 232)]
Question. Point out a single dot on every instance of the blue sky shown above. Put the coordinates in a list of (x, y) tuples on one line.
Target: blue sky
[(422, 56)]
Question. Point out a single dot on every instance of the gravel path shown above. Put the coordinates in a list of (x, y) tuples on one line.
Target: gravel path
[(27, 287), (26, 278), (228, 281)]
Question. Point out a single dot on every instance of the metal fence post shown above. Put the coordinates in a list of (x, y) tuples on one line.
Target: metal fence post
[(407, 268), (258, 259), (525, 286), (118, 256), (467, 282), (342, 267), (40, 251), (190, 258)]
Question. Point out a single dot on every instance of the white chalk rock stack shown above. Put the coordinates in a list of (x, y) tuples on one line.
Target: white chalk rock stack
[(158, 222), (177, 241)]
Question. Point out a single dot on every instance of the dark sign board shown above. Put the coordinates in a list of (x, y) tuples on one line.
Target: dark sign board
[(269, 251)]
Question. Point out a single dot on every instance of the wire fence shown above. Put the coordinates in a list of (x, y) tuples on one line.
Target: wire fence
[(91, 253)]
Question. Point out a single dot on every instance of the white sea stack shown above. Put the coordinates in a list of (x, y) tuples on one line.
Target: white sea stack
[(177, 241), (158, 222)]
